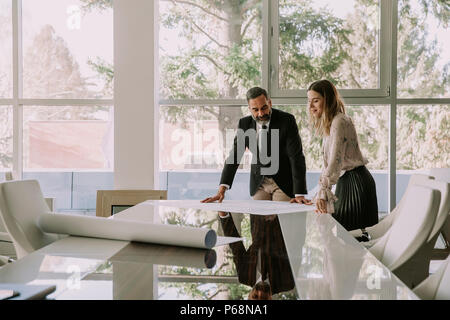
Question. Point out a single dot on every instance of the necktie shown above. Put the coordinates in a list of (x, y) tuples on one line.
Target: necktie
[(262, 139)]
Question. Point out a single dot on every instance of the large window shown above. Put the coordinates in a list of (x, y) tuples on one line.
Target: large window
[(423, 137), (210, 49), (211, 53), (70, 137), (67, 50), (6, 137), (423, 49), (56, 89), (5, 49), (337, 40)]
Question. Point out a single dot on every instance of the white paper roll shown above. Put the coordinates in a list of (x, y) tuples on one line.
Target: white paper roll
[(128, 230)]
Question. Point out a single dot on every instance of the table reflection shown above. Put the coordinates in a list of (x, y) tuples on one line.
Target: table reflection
[(298, 255), (264, 266)]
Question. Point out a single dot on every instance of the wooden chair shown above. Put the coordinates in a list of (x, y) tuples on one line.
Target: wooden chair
[(110, 202)]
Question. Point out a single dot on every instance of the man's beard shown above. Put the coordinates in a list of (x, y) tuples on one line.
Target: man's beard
[(263, 120)]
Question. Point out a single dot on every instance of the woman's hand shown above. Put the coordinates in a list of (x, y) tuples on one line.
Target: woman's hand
[(321, 206)]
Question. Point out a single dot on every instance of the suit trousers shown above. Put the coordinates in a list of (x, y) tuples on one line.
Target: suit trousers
[(269, 190)]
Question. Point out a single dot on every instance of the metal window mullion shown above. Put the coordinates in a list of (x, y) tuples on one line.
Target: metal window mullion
[(66, 102), (17, 89), (393, 110), (385, 42), (421, 101), (266, 44), (203, 102), (6, 102), (274, 27)]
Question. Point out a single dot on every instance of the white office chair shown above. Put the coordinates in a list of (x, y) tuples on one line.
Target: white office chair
[(436, 286), (409, 232), (417, 268), (6, 245), (377, 231), (443, 174), (21, 202), (7, 251)]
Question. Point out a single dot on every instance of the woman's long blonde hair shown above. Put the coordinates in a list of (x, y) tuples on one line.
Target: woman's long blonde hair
[(333, 104)]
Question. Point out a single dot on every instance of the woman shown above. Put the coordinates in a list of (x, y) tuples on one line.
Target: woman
[(355, 204)]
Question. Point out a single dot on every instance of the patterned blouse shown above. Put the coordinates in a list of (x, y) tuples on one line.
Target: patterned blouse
[(340, 153)]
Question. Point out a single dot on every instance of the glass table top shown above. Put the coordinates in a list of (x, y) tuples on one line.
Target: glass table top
[(299, 255)]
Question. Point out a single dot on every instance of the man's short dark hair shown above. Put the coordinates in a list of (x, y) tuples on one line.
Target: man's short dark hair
[(255, 93)]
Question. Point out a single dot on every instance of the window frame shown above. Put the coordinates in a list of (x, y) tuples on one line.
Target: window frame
[(18, 102), (385, 41)]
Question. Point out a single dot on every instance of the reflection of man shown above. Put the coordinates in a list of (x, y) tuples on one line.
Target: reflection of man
[(272, 136), (265, 264)]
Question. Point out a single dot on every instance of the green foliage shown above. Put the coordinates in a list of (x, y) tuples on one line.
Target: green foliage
[(311, 45), (105, 70), (90, 5)]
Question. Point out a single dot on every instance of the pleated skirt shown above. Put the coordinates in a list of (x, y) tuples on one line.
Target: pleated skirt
[(357, 206)]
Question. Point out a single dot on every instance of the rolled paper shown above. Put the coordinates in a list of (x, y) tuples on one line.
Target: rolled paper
[(128, 230), (145, 253)]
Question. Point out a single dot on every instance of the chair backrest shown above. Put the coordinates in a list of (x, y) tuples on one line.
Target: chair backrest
[(108, 199), (444, 207), (21, 202), (443, 174), (411, 229), (436, 286), (415, 179), (381, 228)]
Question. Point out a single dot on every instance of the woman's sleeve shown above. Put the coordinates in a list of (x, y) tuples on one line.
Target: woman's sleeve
[(332, 169)]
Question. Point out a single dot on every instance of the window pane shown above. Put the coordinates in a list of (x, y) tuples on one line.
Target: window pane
[(68, 50), (209, 49), (371, 123), (423, 137), (337, 40), (6, 137), (194, 137), (423, 53), (5, 49), (68, 137)]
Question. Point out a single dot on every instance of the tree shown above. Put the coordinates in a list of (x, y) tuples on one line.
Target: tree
[(50, 70), (5, 89)]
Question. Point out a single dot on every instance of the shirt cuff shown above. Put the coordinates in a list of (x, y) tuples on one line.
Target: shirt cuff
[(301, 195), (225, 185)]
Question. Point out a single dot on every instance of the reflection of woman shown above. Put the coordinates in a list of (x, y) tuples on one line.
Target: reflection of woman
[(355, 204), (265, 264), (342, 262)]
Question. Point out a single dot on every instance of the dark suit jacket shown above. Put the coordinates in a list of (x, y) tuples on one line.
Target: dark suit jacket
[(292, 169), (267, 238)]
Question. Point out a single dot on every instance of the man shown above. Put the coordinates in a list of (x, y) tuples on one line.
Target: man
[(278, 167)]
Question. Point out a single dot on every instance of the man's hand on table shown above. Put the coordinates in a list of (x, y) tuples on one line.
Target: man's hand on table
[(218, 197)]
